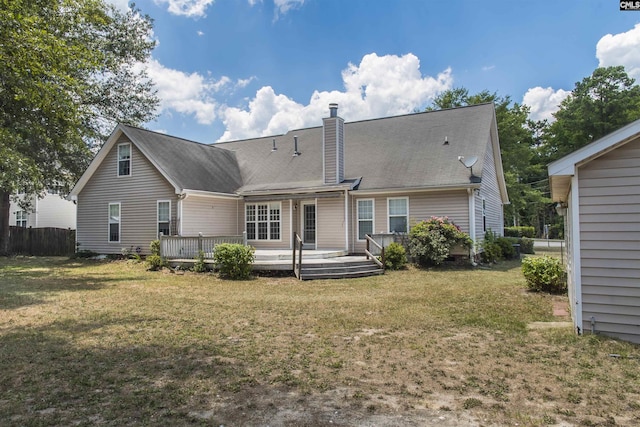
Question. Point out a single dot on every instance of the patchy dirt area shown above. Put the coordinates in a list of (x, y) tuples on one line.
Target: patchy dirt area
[(332, 408)]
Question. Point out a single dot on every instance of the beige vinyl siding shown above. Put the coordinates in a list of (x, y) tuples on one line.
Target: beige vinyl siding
[(422, 205), (211, 216), (489, 189), (330, 143), (330, 231), (610, 242), (285, 239), (137, 194)]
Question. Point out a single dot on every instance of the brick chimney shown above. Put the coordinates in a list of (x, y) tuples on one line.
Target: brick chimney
[(333, 147)]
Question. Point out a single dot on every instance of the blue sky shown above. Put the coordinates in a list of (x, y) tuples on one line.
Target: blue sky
[(234, 69)]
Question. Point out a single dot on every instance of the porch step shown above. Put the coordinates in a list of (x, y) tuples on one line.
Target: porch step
[(340, 270)]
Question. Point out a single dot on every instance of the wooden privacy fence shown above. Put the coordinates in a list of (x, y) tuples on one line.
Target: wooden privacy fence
[(42, 241), (181, 247)]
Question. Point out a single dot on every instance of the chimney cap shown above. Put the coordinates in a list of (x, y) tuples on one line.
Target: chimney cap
[(333, 109)]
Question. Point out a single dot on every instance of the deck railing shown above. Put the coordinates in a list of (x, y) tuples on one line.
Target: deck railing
[(297, 245), (368, 253), (184, 247)]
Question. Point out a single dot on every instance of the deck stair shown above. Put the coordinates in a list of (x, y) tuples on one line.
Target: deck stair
[(343, 269)]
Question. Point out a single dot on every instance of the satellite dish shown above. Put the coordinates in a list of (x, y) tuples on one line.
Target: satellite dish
[(468, 163)]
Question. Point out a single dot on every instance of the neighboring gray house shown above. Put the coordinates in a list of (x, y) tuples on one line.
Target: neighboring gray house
[(331, 184), (598, 186)]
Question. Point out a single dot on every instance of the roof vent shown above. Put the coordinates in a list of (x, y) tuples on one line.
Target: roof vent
[(333, 110), (446, 141), (296, 153), (274, 148)]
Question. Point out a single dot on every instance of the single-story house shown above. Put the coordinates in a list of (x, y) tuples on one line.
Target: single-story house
[(330, 184), (598, 189), (46, 210)]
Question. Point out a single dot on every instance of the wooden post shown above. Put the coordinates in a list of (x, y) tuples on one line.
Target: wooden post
[(367, 252), (294, 252)]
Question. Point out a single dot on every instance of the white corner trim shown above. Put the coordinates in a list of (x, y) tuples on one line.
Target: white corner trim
[(575, 252)]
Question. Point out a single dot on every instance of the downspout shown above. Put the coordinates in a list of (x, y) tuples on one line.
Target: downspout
[(346, 220), (291, 242), (575, 237), (181, 198), (472, 222)]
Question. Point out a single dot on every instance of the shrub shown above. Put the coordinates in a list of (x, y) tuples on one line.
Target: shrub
[(234, 260), (395, 256), (199, 266), (85, 253), (154, 247), (430, 241), (526, 245), (529, 232), (491, 249), (544, 274), (155, 262), (506, 246)]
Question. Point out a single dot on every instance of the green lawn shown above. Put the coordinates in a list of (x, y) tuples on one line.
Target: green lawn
[(108, 343)]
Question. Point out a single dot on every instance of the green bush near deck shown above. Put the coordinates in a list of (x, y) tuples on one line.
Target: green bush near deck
[(234, 261), (395, 256)]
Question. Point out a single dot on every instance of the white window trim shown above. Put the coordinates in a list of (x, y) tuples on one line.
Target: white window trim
[(158, 215), (119, 222), (389, 213), (373, 217), (256, 204), (118, 159), (24, 216)]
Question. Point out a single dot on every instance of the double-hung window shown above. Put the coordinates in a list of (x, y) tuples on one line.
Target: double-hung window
[(365, 218), (21, 218), (164, 217), (263, 221), (398, 214), (114, 222), (124, 159)]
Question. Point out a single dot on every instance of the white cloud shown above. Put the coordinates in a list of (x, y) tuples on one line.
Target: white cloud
[(190, 94), (200, 33), (488, 67), (283, 6), (544, 102), (184, 93), (242, 83), (188, 8), (379, 86), (621, 49)]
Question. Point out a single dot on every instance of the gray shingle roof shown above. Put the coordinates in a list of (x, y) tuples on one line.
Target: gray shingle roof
[(191, 165), (396, 152), (389, 153)]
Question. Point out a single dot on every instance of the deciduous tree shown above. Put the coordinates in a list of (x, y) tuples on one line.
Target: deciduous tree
[(69, 70)]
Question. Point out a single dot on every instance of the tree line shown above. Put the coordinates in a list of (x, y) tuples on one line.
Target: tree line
[(598, 105)]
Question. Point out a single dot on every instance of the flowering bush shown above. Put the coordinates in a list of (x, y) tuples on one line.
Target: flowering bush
[(430, 241)]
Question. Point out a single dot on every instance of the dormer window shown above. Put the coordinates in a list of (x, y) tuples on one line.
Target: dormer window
[(124, 159)]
